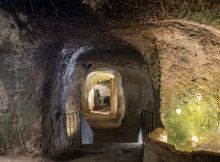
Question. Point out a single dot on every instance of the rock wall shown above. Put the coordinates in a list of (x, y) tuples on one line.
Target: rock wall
[(184, 66), (21, 80), (26, 70), (156, 151)]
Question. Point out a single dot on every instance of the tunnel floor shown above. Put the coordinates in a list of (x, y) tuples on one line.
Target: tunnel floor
[(119, 155), (111, 155), (102, 120)]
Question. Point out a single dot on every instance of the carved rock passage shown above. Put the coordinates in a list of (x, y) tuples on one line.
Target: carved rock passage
[(179, 55)]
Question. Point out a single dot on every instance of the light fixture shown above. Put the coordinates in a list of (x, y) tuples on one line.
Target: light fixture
[(195, 141), (178, 111), (199, 97), (163, 137)]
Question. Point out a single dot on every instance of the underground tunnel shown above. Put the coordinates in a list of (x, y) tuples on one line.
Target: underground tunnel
[(104, 99), (104, 81), (103, 105)]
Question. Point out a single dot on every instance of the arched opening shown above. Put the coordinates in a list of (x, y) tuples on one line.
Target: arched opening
[(104, 99), (108, 98), (111, 116)]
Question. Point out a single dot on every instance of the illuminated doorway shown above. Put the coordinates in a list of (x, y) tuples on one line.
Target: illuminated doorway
[(104, 99)]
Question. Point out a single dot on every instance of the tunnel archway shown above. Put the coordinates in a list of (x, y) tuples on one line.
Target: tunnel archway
[(107, 109), (79, 59), (110, 58)]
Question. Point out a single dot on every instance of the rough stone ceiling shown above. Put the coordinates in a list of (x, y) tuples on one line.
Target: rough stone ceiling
[(110, 8), (99, 76)]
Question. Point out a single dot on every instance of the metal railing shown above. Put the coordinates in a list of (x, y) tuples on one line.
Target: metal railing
[(148, 122), (73, 126)]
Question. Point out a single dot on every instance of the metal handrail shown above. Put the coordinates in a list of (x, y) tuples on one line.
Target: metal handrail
[(148, 122), (73, 126)]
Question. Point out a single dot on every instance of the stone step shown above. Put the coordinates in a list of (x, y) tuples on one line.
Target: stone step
[(105, 147)]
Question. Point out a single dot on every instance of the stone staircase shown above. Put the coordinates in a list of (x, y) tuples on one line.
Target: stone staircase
[(105, 147), (118, 152), (110, 152)]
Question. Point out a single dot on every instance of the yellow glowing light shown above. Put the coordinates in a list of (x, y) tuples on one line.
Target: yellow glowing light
[(178, 111), (195, 139), (163, 138), (199, 97)]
